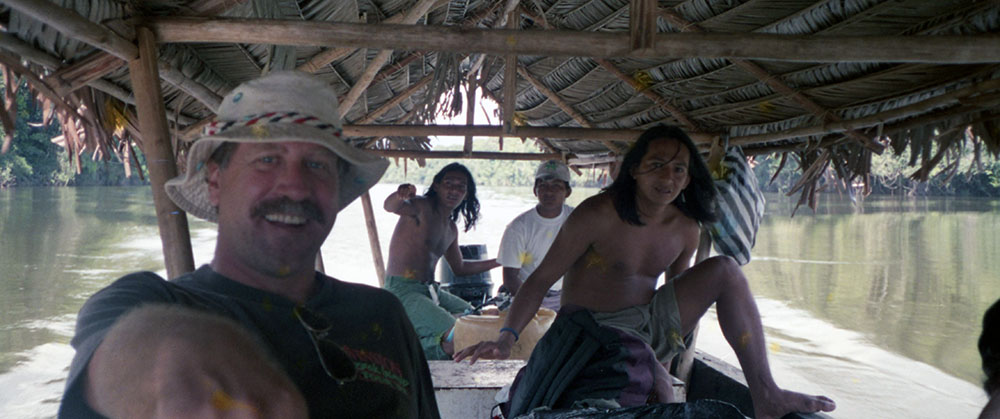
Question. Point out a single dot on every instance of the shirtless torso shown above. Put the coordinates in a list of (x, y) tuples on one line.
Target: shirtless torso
[(621, 257), (611, 263), (425, 231), (423, 234)]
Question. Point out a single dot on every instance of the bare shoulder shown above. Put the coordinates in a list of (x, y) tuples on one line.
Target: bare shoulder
[(687, 227), (599, 205), (593, 216)]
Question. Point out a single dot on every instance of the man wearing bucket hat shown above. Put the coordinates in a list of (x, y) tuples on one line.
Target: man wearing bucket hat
[(257, 332), (528, 237)]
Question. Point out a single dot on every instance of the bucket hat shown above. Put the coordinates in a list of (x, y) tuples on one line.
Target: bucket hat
[(282, 106), (552, 169)]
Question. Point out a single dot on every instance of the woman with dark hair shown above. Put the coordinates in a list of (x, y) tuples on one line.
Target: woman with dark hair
[(989, 350), (697, 201), (425, 232), (469, 208)]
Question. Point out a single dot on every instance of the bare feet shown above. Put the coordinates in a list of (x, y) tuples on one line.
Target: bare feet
[(781, 402)]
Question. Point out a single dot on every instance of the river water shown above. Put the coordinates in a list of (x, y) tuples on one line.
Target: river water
[(877, 306)]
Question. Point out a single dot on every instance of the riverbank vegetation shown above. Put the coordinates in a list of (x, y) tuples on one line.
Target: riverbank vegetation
[(33, 159)]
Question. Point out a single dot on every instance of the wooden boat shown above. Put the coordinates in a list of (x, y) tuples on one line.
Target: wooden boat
[(470, 391), (829, 85)]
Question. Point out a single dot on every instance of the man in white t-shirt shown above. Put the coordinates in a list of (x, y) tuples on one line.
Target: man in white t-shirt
[(528, 237)]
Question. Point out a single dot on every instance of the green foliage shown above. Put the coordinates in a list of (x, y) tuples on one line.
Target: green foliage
[(34, 160)]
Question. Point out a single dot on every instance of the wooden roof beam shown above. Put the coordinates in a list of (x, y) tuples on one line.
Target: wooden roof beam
[(102, 63), (25, 51), (91, 68), (562, 104), (595, 134), (72, 24), (326, 57), (478, 155), (372, 68), (660, 101), (509, 104), (918, 108), (776, 84), (944, 49), (396, 100), (642, 24)]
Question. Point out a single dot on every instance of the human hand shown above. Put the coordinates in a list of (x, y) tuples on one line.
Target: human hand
[(224, 390), (194, 365), (498, 349), (406, 191)]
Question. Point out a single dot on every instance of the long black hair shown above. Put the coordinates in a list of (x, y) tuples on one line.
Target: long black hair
[(989, 348), (697, 200), (469, 208)]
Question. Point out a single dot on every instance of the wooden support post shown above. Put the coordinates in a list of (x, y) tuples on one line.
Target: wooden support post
[(509, 105), (172, 220), (366, 205), (642, 24), (470, 112)]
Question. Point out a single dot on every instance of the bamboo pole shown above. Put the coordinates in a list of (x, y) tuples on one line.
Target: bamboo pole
[(470, 111), (25, 51), (597, 134), (366, 205), (475, 155), (947, 99), (775, 83), (512, 21), (660, 101), (160, 160), (381, 58), (389, 104), (69, 22), (944, 49), (642, 24), (72, 24)]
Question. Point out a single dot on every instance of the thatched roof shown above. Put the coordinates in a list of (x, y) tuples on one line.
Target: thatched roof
[(831, 81)]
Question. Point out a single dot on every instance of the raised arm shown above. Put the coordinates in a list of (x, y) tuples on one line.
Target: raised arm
[(166, 361), (399, 202), (570, 244)]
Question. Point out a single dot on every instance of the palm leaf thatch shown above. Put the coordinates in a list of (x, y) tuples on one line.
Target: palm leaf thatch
[(827, 112)]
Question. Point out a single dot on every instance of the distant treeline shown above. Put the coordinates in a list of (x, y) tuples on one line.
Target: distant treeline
[(484, 172)]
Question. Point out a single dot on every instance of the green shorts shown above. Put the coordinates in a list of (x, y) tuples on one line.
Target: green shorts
[(657, 323), (430, 319)]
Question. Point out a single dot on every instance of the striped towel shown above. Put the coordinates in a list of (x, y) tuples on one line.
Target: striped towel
[(740, 207)]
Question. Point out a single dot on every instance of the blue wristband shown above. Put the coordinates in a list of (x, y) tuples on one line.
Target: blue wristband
[(512, 331), (451, 335)]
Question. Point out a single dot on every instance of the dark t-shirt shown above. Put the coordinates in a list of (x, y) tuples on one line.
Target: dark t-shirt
[(368, 323)]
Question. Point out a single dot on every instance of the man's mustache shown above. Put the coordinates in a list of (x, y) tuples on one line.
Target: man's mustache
[(284, 205)]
